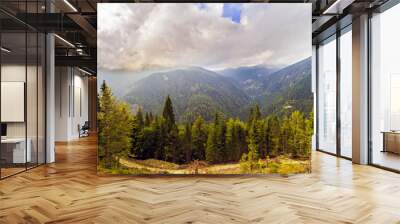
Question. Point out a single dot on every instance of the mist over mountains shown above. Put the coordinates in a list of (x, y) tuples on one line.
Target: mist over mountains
[(197, 91)]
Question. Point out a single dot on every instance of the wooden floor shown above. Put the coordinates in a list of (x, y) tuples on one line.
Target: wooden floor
[(69, 191)]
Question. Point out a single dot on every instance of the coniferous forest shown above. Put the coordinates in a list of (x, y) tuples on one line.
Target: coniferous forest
[(141, 142)]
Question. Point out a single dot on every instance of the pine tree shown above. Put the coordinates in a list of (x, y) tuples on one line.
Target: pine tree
[(199, 139), (249, 161), (168, 112), (115, 127), (272, 134), (211, 148), (151, 117), (308, 136), (230, 139), (187, 142), (220, 129), (285, 136), (257, 112), (105, 116), (171, 131), (253, 141), (137, 135), (251, 116), (301, 135), (147, 120), (254, 114), (122, 141), (150, 142), (256, 132), (242, 133), (171, 145), (235, 138), (159, 127)]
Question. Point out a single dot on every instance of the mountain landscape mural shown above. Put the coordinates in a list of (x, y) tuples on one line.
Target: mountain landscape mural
[(168, 106)]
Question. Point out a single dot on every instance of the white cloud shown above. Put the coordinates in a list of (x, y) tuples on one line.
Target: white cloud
[(140, 36)]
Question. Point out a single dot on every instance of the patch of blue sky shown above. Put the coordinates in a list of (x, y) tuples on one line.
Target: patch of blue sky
[(232, 11)]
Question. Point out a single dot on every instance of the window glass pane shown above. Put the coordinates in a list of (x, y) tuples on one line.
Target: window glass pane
[(13, 86), (327, 97), (31, 97), (346, 94), (41, 98), (23, 90), (385, 84)]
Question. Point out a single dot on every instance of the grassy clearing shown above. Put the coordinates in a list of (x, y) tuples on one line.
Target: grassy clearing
[(154, 163), (123, 170), (280, 165)]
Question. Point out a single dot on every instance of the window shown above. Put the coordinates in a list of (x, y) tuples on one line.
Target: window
[(385, 89), (346, 93), (23, 89), (327, 96)]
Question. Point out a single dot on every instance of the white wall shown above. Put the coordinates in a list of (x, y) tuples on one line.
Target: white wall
[(71, 102)]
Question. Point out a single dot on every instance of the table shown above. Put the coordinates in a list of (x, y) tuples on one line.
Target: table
[(13, 150), (391, 141)]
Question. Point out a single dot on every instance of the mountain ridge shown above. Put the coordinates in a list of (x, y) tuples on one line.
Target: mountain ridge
[(197, 91)]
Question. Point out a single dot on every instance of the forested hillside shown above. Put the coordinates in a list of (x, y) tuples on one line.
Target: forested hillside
[(277, 91), (195, 91), (260, 144), (200, 92)]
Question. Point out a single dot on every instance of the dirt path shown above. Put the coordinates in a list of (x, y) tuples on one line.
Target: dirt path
[(219, 169), (132, 164)]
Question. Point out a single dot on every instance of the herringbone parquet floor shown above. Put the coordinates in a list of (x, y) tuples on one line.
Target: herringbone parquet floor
[(69, 191)]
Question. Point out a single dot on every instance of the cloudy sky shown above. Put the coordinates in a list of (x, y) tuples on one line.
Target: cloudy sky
[(142, 36)]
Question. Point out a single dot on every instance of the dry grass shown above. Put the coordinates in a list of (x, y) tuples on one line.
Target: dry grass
[(280, 165)]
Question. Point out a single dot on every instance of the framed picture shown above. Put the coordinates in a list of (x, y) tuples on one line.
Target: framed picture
[(204, 88)]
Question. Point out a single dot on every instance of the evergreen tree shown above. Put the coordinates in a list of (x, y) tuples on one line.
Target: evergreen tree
[(139, 117), (301, 135), (249, 161), (105, 116), (115, 126), (285, 136), (256, 132), (253, 140), (168, 113), (150, 142), (137, 135), (171, 136), (272, 134), (147, 120), (151, 117), (257, 112), (308, 136), (254, 114), (212, 148), (220, 129), (242, 133), (231, 139), (187, 142), (171, 144), (251, 116), (199, 139), (160, 130)]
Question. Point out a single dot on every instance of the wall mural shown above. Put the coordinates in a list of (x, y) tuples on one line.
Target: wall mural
[(204, 88)]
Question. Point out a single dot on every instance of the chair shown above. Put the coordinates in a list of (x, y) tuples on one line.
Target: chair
[(84, 130)]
